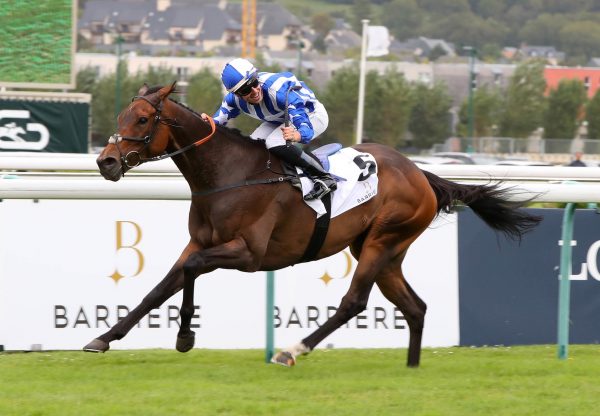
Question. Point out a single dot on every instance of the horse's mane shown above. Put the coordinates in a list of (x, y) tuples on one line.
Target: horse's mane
[(224, 129)]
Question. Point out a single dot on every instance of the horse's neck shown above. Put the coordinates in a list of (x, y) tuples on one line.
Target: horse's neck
[(222, 160)]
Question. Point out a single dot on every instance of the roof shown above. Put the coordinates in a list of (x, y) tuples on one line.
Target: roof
[(425, 45), (542, 51), (594, 62), (342, 36), (271, 18), (115, 11), (214, 21)]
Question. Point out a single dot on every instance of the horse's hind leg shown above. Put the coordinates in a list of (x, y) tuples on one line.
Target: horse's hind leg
[(381, 251), (396, 289), (373, 258)]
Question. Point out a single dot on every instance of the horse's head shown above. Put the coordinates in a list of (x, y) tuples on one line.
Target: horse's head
[(141, 133)]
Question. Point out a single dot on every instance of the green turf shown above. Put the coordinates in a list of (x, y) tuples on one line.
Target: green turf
[(451, 381)]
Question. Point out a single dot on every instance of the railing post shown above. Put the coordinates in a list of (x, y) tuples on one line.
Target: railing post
[(564, 289), (270, 317)]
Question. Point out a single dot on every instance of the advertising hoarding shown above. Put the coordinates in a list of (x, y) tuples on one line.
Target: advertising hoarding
[(70, 269), (509, 291)]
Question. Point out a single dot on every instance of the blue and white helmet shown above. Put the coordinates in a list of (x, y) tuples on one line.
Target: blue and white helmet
[(237, 73)]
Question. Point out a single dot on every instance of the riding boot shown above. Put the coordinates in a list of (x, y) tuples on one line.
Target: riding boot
[(323, 181)]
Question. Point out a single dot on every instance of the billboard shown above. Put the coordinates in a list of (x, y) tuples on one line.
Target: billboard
[(38, 41), (509, 291), (45, 124)]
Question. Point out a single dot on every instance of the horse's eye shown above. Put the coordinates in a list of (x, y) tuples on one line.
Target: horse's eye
[(143, 120)]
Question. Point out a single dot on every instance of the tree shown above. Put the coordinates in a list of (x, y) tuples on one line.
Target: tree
[(581, 38), (436, 53), (444, 7), (467, 28), (488, 8), (543, 30), (361, 10), (429, 120), (388, 100), (402, 17), (86, 80), (593, 116), (322, 23), (564, 107), (488, 106), (153, 77), (204, 92), (341, 100), (103, 107), (525, 101)]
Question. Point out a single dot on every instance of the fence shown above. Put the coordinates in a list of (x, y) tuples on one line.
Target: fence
[(551, 150)]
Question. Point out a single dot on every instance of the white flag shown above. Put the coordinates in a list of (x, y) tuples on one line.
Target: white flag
[(378, 41)]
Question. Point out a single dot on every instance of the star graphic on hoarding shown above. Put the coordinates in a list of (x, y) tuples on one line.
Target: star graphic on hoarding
[(326, 278), (116, 276)]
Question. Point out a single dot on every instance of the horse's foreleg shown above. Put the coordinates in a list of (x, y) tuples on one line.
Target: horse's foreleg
[(234, 254), (170, 285), (186, 337)]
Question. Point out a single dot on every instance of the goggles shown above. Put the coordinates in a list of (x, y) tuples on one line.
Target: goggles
[(247, 87)]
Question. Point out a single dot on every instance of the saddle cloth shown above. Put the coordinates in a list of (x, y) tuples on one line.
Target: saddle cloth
[(357, 180)]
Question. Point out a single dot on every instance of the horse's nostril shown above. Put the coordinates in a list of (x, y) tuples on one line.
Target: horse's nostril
[(106, 162), (110, 168)]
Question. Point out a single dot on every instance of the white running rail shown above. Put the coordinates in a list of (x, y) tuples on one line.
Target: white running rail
[(75, 176)]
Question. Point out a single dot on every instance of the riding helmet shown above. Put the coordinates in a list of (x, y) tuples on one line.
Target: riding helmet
[(237, 73)]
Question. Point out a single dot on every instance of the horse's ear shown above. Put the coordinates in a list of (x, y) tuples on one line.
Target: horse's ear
[(143, 90), (165, 91)]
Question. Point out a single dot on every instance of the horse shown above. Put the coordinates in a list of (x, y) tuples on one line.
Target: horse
[(240, 217)]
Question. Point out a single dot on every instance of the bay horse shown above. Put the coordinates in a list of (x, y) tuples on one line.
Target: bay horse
[(266, 225)]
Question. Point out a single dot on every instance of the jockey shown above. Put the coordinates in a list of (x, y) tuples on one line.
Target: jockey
[(264, 95)]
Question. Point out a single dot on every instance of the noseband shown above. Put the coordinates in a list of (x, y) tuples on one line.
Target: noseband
[(133, 158)]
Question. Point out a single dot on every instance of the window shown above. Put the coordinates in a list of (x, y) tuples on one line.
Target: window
[(182, 73), (424, 77), (497, 78)]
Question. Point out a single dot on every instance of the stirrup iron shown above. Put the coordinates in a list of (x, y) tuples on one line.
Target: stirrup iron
[(320, 189)]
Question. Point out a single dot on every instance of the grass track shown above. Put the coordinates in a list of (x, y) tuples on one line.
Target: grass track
[(451, 381)]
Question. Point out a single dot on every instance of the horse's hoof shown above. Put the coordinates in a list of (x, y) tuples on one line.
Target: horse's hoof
[(97, 345), (184, 344), (284, 358)]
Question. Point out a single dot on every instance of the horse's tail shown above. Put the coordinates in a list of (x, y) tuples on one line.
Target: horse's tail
[(489, 202)]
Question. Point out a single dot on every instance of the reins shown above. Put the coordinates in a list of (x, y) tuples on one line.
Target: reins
[(247, 182), (213, 129)]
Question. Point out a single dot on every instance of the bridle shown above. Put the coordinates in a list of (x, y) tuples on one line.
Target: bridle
[(133, 158)]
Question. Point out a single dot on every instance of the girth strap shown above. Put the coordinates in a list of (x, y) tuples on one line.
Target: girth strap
[(319, 232)]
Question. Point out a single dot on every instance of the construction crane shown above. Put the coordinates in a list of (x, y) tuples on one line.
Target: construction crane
[(248, 28)]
